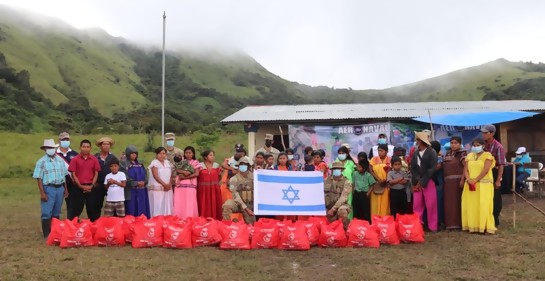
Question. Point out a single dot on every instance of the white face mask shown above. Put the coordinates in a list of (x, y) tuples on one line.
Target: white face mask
[(290, 157)]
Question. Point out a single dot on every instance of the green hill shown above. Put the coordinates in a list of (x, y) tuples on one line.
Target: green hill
[(56, 77)]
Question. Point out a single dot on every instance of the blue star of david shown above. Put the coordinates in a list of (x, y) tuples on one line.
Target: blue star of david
[(294, 197)]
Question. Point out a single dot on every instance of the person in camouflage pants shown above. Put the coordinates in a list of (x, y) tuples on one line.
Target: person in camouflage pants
[(336, 191), (241, 186)]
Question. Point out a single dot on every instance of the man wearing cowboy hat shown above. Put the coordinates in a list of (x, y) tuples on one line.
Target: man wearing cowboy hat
[(50, 172), (104, 158), (268, 149), (336, 191), (241, 186), (66, 153), (423, 166), (172, 151)]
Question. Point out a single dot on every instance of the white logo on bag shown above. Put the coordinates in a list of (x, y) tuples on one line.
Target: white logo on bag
[(204, 232), (110, 236), (233, 234), (331, 240), (267, 238), (79, 232), (151, 232), (175, 235), (291, 236)]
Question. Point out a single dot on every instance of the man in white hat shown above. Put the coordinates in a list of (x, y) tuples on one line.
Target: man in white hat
[(521, 158), (66, 153), (172, 151), (105, 156), (50, 172), (268, 149)]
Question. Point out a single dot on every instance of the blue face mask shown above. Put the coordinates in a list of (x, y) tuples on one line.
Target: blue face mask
[(477, 149), (337, 173), (170, 143), (342, 157), (65, 144), (243, 168), (50, 151), (382, 141)]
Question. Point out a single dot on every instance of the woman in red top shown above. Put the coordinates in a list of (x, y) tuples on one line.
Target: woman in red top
[(209, 198)]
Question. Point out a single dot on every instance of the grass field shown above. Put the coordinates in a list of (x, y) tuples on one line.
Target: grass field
[(512, 254), (21, 164)]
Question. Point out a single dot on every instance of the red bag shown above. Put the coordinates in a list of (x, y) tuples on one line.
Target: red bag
[(177, 234), (294, 236), (234, 235), (362, 234), (410, 229), (387, 229), (266, 235), (147, 233), (127, 227), (57, 228), (77, 234), (205, 232), (250, 231), (109, 232), (332, 235), (313, 231), (319, 220)]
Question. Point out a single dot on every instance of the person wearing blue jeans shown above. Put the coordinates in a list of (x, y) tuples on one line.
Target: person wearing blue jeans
[(522, 157), (50, 172)]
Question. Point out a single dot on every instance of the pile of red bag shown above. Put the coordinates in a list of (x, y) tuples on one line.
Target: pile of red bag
[(173, 232)]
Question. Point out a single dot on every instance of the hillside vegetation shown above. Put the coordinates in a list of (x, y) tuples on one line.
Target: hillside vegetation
[(54, 77)]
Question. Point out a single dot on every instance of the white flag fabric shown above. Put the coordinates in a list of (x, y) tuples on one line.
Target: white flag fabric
[(289, 193)]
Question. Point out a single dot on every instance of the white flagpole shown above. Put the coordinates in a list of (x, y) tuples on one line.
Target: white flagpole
[(163, 85)]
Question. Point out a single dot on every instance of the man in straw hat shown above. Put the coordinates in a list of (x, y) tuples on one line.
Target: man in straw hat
[(50, 172), (104, 158), (423, 166), (268, 148), (336, 191)]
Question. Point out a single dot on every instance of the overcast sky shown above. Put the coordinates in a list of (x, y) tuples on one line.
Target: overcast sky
[(341, 43)]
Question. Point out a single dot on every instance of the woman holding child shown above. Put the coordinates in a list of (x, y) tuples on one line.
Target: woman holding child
[(185, 197)]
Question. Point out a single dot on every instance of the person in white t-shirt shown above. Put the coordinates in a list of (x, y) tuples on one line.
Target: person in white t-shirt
[(115, 183)]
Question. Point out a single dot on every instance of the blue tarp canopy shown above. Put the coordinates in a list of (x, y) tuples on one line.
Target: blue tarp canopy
[(475, 118)]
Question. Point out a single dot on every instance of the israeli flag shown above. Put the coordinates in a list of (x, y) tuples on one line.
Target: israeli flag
[(289, 193)]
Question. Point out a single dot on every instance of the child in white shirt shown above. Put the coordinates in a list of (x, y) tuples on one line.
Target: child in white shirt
[(114, 183)]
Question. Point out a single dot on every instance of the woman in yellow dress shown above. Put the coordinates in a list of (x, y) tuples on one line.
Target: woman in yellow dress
[(380, 200), (478, 194)]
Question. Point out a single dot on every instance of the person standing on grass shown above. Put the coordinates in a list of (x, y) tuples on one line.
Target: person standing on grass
[(398, 180), (84, 168), (209, 198), (172, 151), (439, 180), (50, 172), (423, 166), (115, 183), (104, 158), (496, 149), (136, 195), (453, 167), (185, 196), (66, 153), (159, 184), (380, 195), (363, 181), (478, 194)]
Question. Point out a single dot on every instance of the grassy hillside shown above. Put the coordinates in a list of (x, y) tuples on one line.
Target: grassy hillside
[(54, 77)]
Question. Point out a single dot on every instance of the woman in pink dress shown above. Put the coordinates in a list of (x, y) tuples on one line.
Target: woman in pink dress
[(185, 195), (209, 192)]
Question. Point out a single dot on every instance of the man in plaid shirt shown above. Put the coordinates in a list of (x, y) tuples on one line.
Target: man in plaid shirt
[(496, 149), (50, 172)]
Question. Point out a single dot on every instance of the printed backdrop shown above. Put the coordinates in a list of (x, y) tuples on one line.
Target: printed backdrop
[(364, 137)]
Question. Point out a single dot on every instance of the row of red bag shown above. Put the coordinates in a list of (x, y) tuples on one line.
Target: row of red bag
[(172, 232)]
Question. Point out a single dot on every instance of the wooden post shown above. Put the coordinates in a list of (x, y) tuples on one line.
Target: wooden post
[(513, 192)]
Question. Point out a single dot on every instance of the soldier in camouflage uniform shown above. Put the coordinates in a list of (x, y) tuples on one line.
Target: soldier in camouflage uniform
[(171, 149), (242, 188), (336, 190)]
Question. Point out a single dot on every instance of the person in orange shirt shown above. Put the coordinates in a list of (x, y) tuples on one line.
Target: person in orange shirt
[(319, 164)]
